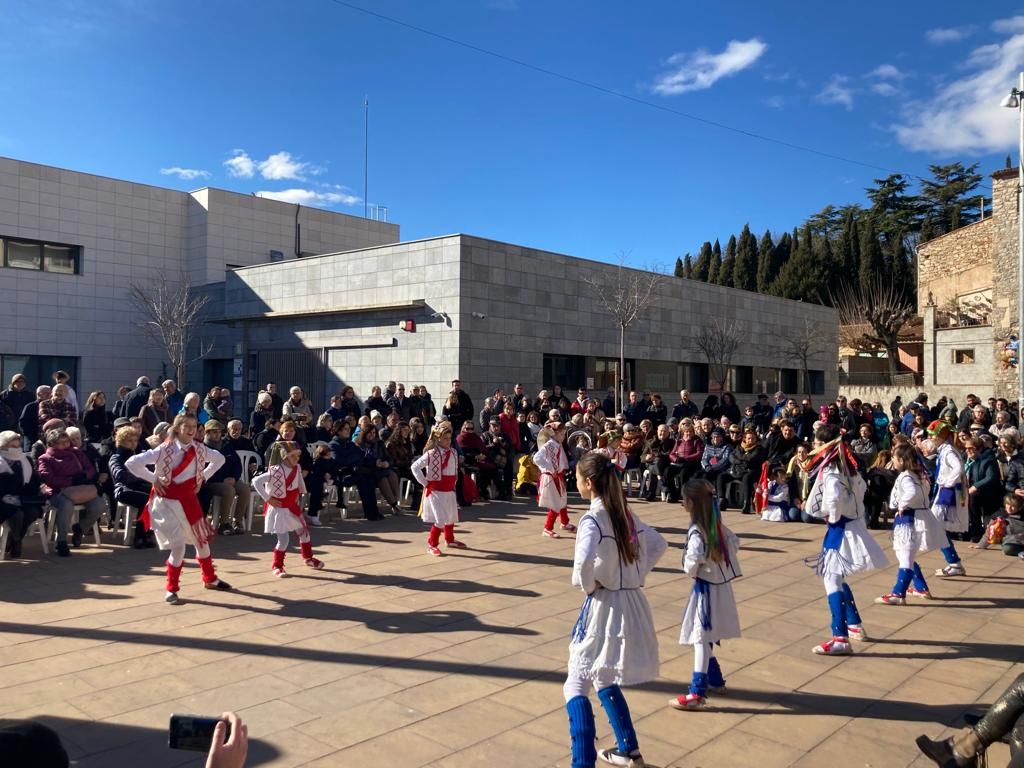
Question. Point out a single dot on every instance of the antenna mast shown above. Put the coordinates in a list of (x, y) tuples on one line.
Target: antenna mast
[(366, 154)]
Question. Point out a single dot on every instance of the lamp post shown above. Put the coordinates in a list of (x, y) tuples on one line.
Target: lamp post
[(1015, 100)]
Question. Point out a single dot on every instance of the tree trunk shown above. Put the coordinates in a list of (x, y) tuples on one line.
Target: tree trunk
[(620, 390)]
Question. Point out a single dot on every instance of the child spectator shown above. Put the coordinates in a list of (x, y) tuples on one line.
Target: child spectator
[(777, 508)]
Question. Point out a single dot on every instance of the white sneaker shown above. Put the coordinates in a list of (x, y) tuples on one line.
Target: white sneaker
[(614, 757), (837, 646), (314, 520), (953, 569), (856, 632), (171, 598)]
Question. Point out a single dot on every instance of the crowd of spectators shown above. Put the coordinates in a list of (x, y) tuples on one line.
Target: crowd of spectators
[(72, 460)]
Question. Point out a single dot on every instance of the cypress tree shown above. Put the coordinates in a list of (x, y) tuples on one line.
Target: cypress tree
[(688, 267), (766, 268), (745, 271), (715, 265), (678, 271), (872, 262), (728, 263), (703, 263)]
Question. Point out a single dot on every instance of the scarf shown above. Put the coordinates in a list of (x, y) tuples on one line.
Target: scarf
[(13, 456)]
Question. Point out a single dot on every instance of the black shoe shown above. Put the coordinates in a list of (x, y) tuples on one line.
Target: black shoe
[(150, 540), (76, 536), (139, 543), (220, 586), (14, 549), (940, 752), (62, 549), (225, 530), (375, 517)]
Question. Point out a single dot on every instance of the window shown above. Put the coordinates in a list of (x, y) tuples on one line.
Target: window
[(816, 382), (789, 381), (38, 369), (963, 357), (48, 257), (695, 377), (565, 370), (742, 379)]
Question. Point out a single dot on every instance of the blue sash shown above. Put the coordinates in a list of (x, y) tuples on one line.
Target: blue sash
[(579, 630), (702, 589), (833, 541), (905, 517)]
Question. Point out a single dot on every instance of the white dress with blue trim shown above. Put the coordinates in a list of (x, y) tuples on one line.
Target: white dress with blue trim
[(710, 615), (922, 531), (614, 639), (950, 505), (838, 499)]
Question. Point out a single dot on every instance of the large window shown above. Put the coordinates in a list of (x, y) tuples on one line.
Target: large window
[(695, 377), (38, 369), (567, 371), (62, 259)]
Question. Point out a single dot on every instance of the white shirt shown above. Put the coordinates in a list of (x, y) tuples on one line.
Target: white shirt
[(139, 464)]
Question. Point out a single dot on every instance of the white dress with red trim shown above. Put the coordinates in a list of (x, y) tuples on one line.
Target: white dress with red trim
[(553, 464), (281, 482), (437, 470), (175, 516)]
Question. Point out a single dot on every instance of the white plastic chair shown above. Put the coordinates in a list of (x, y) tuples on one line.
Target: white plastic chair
[(645, 484), (633, 476), (247, 457), (36, 529), (130, 515), (50, 513)]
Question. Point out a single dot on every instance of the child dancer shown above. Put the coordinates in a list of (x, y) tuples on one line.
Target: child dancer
[(837, 497), (550, 458), (280, 487), (613, 642), (180, 466), (776, 510), (914, 529), (949, 506), (710, 615), (437, 470)]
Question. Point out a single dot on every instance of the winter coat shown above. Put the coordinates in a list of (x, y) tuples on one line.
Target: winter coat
[(60, 469), (52, 409), (983, 474), (123, 479), (715, 458), (687, 450), (1013, 473), (16, 400), (134, 401), (658, 414), (742, 461)]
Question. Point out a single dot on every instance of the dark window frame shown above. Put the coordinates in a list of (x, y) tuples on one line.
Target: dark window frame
[(76, 251)]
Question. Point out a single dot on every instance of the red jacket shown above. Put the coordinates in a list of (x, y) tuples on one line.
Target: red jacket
[(58, 470), (510, 428), (687, 451)]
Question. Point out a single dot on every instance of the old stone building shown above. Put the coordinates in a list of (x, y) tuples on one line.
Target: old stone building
[(967, 295)]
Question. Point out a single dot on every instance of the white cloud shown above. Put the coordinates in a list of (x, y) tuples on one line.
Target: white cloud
[(281, 165), (947, 34), (312, 198), (887, 72), (837, 91), (188, 174), (240, 165), (964, 115), (774, 102), (1009, 26), (885, 89), (700, 70)]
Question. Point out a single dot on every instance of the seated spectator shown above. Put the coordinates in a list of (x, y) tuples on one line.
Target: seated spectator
[(880, 477), (97, 421), (130, 490), (777, 506), (747, 421), (647, 430), (400, 404), (864, 447), (476, 457), (715, 459), (400, 454), (729, 408), (236, 441), (376, 402), (373, 455), (211, 404), (16, 397), (68, 479), (1003, 424), (390, 425), (20, 502), (799, 485), (172, 397), (418, 435), (528, 476), (58, 407), (745, 468), (1012, 516), (225, 406), (228, 484), (631, 445), (710, 409), (685, 408), (320, 475), (324, 428), (512, 429), (782, 445), (657, 411), (733, 433), (289, 432), (501, 453), (191, 408), (334, 410), (635, 410), (354, 467), (656, 458), (300, 410), (685, 461), (267, 437), (349, 404), (155, 411), (261, 414), (99, 463)]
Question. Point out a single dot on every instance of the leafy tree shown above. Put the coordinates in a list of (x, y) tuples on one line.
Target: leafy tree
[(767, 268), (948, 195), (728, 263), (893, 209), (802, 277), (827, 222), (847, 250), (678, 271), (745, 270), (703, 263)]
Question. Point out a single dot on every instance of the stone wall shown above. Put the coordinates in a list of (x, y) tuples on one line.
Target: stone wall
[(956, 263), (1005, 216)]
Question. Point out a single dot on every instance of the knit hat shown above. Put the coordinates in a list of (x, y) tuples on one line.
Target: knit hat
[(374, 415), (939, 429), (121, 421), (215, 425)]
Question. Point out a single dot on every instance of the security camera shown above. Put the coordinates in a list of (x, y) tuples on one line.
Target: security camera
[(479, 315)]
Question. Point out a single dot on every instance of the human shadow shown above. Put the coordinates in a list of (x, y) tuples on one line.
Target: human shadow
[(433, 585), (951, 649), (98, 744), (530, 559), (977, 602)]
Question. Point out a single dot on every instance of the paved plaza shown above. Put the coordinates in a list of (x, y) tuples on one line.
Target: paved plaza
[(392, 658)]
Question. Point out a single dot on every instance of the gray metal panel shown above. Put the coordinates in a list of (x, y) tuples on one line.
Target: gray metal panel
[(300, 367)]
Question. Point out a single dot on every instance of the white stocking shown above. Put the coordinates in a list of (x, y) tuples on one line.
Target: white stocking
[(701, 657), (282, 542), (177, 555), (833, 583)]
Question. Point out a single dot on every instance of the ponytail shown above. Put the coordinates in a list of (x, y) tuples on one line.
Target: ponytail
[(600, 470), (708, 518)]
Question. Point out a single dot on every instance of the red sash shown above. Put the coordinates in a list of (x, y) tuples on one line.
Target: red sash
[(447, 482), (184, 494), (291, 497)]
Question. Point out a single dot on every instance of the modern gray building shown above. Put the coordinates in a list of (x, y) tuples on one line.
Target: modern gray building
[(322, 299)]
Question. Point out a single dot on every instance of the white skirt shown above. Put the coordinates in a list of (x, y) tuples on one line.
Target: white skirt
[(616, 639), (774, 514), (169, 524), (858, 552), (725, 621), (952, 519), (282, 520), (440, 508), (549, 496), (926, 534)]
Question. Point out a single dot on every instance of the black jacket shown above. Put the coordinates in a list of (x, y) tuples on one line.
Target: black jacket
[(983, 474), (123, 479), (16, 400), (232, 466), (378, 404), (687, 410), (741, 462), (135, 400)]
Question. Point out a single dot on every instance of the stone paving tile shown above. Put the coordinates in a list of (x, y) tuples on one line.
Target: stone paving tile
[(390, 657)]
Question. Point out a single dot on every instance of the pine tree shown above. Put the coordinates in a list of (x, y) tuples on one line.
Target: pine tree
[(728, 263), (949, 195), (700, 268), (715, 267), (678, 271), (766, 266), (872, 262), (688, 267), (745, 271)]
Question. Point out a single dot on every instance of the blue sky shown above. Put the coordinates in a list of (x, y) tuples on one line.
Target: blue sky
[(263, 96)]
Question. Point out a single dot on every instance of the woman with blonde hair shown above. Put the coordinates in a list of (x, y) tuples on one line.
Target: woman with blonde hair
[(180, 467), (437, 470)]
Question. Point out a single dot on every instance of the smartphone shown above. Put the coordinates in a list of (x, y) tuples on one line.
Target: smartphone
[(193, 732)]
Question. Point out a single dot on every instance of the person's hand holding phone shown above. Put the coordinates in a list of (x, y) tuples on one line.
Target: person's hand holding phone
[(230, 753)]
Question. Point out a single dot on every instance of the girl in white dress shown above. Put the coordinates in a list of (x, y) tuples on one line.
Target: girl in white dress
[(180, 467), (613, 642), (437, 470), (552, 462), (776, 508), (914, 528), (837, 497), (281, 487), (950, 505), (712, 560)]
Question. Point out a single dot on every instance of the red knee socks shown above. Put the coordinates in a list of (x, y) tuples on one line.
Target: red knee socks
[(279, 558), (550, 522), (434, 538), (173, 577), (307, 550), (563, 515), (206, 566), (449, 533)]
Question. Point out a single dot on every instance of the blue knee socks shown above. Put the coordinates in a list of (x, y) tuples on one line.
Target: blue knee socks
[(918, 579), (582, 731), (615, 707), (835, 605), (715, 677), (903, 577), (850, 606), (949, 552), (699, 685)]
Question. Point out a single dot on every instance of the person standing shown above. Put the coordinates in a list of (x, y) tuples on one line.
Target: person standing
[(172, 396), (276, 401), (16, 396), (552, 462), (950, 504), (437, 470), (137, 398), (280, 487)]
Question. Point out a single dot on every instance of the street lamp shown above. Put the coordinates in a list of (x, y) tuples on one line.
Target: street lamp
[(1015, 100)]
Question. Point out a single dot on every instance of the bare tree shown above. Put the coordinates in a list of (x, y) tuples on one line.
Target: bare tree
[(718, 343), (626, 294), (172, 318), (870, 318), (800, 345)]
